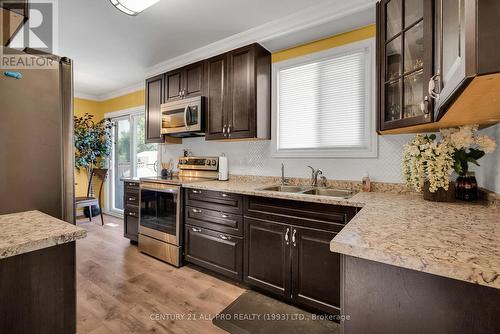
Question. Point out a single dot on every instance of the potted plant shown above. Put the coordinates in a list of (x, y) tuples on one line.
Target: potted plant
[(93, 142), (428, 163)]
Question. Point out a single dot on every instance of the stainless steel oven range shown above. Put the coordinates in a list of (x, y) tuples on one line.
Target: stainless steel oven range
[(160, 220)]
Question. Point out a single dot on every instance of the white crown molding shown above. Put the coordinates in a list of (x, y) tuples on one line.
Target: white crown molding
[(123, 91), (314, 16), (85, 96), (119, 92)]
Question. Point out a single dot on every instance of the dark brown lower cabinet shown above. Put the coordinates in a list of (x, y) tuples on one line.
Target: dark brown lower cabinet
[(213, 250), (281, 247), (38, 291), (131, 211), (131, 226), (267, 256), (381, 299), (315, 270), (293, 263)]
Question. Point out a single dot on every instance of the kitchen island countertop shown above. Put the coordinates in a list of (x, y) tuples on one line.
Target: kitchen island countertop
[(29, 231)]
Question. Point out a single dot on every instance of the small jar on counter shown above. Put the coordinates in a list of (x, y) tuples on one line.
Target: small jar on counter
[(366, 183)]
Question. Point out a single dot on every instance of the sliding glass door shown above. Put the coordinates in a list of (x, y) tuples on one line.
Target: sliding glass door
[(131, 157), (122, 166)]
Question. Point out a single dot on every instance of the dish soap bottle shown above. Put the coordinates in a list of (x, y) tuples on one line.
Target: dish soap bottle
[(366, 183)]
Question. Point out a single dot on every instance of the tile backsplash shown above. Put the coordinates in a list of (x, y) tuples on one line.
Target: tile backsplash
[(254, 158)]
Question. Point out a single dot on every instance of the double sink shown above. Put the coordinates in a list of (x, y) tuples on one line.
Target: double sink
[(314, 191)]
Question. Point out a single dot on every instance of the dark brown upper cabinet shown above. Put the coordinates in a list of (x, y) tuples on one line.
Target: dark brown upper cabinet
[(405, 62), (216, 90), (154, 99), (239, 94), (467, 45), (184, 82), (13, 15), (438, 64)]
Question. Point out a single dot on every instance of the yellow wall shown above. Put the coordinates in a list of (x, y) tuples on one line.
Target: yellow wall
[(123, 102), (324, 44)]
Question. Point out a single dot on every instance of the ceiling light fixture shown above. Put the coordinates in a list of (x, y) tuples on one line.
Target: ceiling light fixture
[(133, 7)]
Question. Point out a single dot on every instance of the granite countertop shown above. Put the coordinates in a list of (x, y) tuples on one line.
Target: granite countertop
[(131, 179), (33, 230), (454, 240)]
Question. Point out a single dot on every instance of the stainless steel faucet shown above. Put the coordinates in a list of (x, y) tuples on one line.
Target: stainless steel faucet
[(284, 181), (314, 176)]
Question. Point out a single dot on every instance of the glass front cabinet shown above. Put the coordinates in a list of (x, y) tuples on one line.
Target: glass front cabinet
[(405, 62), (428, 53)]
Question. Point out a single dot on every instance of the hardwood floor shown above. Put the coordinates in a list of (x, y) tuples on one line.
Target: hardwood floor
[(120, 290)]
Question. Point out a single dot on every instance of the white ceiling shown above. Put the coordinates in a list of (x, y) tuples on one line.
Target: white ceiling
[(113, 51)]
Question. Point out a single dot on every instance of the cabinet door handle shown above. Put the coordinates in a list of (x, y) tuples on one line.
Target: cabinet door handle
[(432, 86), (424, 106), (196, 191), (196, 211), (131, 198), (224, 237), (293, 237), (223, 215), (194, 229), (229, 130), (224, 195), (286, 235), (224, 130), (132, 214)]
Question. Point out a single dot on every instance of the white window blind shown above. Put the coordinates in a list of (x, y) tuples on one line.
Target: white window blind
[(323, 103)]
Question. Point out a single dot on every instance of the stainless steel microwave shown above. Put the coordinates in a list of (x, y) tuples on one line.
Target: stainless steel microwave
[(182, 117)]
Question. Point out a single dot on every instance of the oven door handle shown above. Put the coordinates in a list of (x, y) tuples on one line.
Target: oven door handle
[(161, 190)]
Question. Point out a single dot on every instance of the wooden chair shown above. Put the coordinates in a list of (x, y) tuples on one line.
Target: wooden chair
[(89, 201)]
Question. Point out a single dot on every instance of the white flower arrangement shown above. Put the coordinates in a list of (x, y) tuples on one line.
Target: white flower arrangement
[(427, 159)]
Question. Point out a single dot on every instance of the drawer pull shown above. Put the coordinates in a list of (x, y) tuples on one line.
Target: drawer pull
[(224, 237), (131, 184), (132, 214), (131, 198), (223, 215), (196, 191), (194, 229), (224, 195), (196, 211)]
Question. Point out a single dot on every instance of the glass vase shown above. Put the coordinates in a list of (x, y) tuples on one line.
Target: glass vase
[(466, 187)]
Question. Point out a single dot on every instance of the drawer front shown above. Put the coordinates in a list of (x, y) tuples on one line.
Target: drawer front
[(132, 198), (132, 211), (131, 186), (216, 251), (215, 200), (305, 214), (215, 220), (131, 227)]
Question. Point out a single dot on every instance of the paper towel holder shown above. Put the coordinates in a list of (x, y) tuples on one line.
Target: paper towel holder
[(223, 168)]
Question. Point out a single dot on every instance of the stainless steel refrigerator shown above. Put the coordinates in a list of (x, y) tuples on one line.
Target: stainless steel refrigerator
[(36, 140)]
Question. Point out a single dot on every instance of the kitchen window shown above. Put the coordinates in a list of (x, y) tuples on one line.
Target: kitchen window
[(323, 104)]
